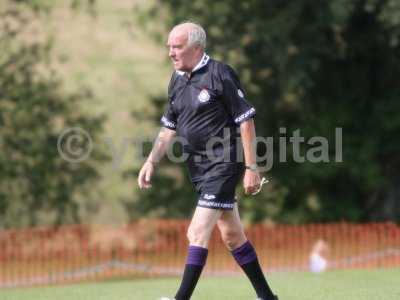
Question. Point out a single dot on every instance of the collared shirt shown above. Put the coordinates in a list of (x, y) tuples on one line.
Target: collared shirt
[(203, 61), (206, 111)]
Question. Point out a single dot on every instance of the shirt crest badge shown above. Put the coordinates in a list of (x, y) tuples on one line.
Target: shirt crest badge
[(204, 96)]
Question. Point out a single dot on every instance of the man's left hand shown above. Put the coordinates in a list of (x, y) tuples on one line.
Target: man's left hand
[(251, 181)]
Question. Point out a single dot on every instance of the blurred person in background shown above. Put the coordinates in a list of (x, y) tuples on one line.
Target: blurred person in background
[(318, 261)]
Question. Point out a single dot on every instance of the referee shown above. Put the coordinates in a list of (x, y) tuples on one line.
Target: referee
[(208, 111)]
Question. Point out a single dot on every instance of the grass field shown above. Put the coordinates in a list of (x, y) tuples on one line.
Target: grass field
[(343, 285)]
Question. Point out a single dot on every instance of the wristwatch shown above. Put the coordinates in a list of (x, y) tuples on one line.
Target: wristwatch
[(252, 167)]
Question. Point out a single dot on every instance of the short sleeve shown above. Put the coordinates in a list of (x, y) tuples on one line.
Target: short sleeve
[(169, 118), (234, 96)]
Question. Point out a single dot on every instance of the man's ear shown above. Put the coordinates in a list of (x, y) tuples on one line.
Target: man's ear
[(199, 49)]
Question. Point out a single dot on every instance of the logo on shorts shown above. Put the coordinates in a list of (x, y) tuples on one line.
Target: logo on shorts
[(240, 93), (204, 96), (209, 197)]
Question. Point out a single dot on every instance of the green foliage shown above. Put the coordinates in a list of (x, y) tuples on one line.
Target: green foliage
[(315, 66), (37, 186), (47, 5)]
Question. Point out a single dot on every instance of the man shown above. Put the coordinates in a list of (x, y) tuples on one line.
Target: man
[(206, 107)]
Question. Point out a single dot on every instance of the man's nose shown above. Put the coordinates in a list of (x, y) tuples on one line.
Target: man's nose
[(171, 53)]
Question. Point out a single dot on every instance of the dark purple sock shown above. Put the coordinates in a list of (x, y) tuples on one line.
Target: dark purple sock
[(244, 254), (197, 256), (195, 262), (246, 257)]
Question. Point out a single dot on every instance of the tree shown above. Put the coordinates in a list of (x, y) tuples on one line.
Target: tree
[(37, 186), (315, 66)]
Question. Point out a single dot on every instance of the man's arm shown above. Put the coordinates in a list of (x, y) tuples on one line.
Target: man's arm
[(160, 147), (251, 181)]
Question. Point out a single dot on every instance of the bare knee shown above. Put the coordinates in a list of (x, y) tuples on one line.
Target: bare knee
[(232, 237), (198, 235)]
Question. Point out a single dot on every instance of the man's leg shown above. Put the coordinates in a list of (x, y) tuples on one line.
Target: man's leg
[(234, 238), (199, 232)]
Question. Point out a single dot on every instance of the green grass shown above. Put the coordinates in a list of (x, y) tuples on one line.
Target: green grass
[(343, 285)]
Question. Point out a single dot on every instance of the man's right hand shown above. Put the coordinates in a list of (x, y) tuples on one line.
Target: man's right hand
[(145, 174), (161, 145)]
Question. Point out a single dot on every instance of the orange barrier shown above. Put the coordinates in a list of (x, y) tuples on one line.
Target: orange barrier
[(42, 256)]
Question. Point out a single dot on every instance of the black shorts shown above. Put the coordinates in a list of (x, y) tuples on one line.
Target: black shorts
[(218, 192)]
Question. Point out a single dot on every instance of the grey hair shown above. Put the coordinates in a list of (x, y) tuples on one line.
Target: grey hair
[(196, 35)]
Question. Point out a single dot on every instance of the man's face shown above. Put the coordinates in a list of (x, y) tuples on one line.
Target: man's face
[(183, 56)]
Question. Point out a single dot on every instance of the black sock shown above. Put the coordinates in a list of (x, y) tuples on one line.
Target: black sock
[(246, 257), (194, 265)]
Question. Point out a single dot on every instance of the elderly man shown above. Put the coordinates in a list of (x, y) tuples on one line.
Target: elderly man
[(208, 110)]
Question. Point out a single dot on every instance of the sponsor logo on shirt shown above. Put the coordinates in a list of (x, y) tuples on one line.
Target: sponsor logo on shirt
[(168, 123), (240, 93), (245, 115), (209, 197), (204, 96)]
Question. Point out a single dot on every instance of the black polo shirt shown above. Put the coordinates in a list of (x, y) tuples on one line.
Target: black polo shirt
[(206, 111)]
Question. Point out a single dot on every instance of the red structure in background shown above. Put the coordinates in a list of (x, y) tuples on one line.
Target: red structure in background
[(43, 256)]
